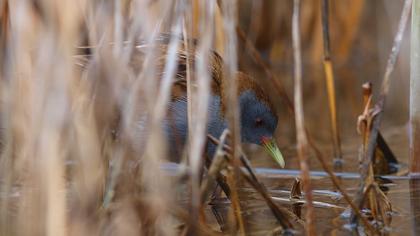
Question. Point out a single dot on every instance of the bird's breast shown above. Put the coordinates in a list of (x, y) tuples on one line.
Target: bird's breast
[(176, 125)]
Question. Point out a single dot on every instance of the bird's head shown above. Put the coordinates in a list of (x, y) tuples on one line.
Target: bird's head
[(257, 116), (258, 121)]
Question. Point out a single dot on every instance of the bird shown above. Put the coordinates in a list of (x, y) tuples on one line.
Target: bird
[(257, 115)]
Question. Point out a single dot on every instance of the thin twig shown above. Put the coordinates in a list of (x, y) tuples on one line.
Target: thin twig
[(302, 141)]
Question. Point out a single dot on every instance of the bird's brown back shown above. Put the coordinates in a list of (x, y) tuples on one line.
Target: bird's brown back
[(216, 67), (179, 89)]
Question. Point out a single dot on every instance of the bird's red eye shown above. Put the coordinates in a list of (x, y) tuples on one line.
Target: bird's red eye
[(258, 122)]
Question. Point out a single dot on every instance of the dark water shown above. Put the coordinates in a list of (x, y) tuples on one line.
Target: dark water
[(330, 207)]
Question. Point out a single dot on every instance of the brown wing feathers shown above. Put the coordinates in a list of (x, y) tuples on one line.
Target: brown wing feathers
[(179, 89)]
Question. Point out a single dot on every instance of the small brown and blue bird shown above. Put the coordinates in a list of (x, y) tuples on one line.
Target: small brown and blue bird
[(258, 119)]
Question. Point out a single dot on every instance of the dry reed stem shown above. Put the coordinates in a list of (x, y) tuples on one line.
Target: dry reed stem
[(379, 203), (187, 35), (365, 125), (230, 68), (329, 77), (200, 98), (415, 91), (6, 163), (385, 206), (217, 164), (302, 141), (149, 147), (368, 155), (42, 147), (371, 196), (119, 156)]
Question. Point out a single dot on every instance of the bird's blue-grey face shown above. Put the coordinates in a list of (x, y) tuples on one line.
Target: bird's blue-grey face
[(257, 120)]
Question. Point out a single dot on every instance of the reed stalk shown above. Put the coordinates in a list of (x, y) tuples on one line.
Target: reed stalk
[(302, 142), (329, 78), (200, 98), (415, 90), (230, 69)]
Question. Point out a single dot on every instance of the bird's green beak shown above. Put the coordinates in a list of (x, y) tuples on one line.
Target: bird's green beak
[(271, 147)]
